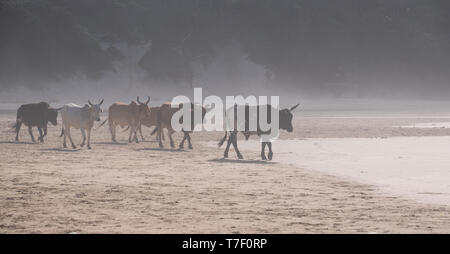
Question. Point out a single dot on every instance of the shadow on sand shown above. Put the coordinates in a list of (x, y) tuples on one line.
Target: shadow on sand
[(223, 160), (148, 141), (162, 149), (68, 150), (20, 142), (109, 143)]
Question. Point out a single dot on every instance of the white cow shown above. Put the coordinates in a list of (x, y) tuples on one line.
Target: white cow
[(80, 118)]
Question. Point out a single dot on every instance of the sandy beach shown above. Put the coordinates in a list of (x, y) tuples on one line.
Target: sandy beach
[(331, 175), (412, 167)]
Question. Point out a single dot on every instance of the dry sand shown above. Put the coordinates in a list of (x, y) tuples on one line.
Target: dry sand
[(139, 188)]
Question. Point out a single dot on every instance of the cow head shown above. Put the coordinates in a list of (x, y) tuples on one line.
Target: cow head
[(285, 117), (51, 115), (144, 110), (96, 110)]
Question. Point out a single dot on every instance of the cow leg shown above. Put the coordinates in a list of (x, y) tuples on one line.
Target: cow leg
[(234, 142), (225, 154), (270, 155), (135, 134), (64, 142), (140, 132), (131, 133), (45, 132), (18, 125), (160, 132), (89, 138), (189, 140), (67, 130), (31, 133), (112, 129), (84, 137), (263, 152), (41, 137), (170, 132), (182, 141), (157, 134)]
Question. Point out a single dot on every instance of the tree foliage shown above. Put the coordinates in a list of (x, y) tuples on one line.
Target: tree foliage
[(309, 42)]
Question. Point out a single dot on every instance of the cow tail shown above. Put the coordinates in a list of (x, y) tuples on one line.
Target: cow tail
[(18, 121), (128, 127), (223, 139), (154, 131), (102, 123)]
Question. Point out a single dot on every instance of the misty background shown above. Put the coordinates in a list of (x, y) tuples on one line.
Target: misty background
[(64, 50)]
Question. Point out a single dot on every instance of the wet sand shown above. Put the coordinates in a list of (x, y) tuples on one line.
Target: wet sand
[(415, 168)]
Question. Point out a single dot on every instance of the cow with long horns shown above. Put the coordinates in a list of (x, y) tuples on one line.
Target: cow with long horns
[(285, 123), (81, 118), (129, 115)]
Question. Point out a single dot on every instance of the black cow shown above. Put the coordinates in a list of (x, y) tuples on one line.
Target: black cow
[(285, 123), (35, 114)]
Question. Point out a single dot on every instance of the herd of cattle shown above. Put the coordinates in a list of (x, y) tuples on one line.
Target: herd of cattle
[(132, 116)]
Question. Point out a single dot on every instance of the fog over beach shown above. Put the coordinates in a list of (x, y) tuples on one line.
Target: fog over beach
[(370, 142)]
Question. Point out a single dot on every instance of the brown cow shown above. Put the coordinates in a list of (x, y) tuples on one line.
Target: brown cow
[(127, 115), (149, 121), (165, 115)]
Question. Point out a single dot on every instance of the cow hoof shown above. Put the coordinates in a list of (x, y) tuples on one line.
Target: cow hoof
[(89, 147), (190, 147), (81, 145), (17, 139), (74, 147), (270, 156), (225, 155), (263, 157), (240, 157)]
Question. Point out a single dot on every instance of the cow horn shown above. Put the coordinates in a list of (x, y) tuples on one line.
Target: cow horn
[(294, 107), (101, 102), (148, 100), (138, 100), (90, 103)]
